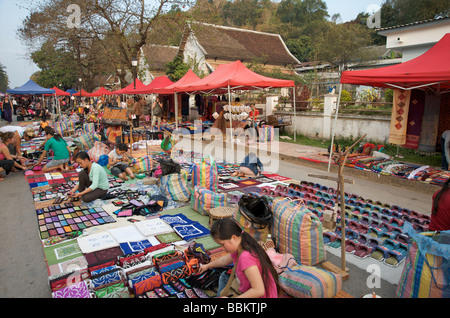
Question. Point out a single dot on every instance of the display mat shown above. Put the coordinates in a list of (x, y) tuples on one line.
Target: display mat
[(60, 220)]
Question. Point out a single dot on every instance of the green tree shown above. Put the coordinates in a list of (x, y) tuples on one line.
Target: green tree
[(302, 48), (56, 65), (4, 80), (398, 12), (176, 69)]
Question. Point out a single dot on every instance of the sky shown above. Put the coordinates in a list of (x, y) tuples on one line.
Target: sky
[(14, 55)]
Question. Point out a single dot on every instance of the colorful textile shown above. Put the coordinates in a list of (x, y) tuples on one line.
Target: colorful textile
[(310, 282), (203, 200), (399, 117), (191, 231), (266, 133), (143, 164), (206, 174), (175, 186), (86, 141), (298, 231), (77, 290), (430, 123), (118, 290), (427, 266), (415, 116), (132, 247)]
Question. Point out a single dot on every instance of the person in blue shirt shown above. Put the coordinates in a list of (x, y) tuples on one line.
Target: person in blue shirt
[(251, 166)]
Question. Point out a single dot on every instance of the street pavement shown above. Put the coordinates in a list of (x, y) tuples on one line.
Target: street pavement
[(23, 271)]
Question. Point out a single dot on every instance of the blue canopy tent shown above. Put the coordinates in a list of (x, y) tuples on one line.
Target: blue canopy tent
[(71, 91), (30, 88)]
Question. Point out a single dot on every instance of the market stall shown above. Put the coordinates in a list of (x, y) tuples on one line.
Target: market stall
[(230, 77)]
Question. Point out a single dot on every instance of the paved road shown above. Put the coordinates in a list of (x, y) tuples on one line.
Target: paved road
[(23, 272)]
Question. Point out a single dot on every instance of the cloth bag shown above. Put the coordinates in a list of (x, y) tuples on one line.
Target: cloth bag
[(205, 174), (175, 186), (203, 200), (142, 164), (298, 231), (426, 273), (86, 141), (98, 150), (60, 127), (266, 133), (310, 282)]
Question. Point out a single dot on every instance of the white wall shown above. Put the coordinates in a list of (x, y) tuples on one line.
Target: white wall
[(354, 126)]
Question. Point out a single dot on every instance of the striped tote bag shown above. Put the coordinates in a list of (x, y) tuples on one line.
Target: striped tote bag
[(205, 174), (426, 273), (310, 282), (60, 127), (175, 186), (297, 231), (203, 200)]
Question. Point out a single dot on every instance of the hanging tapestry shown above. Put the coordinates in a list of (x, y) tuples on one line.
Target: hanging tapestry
[(399, 118), (430, 123), (416, 109)]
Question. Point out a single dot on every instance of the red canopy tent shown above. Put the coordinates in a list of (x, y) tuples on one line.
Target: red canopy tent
[(233, 76), (82, 93), (58, 92), (189, 77), (130, 88), (100, 92), (158, 84), (430, 70)]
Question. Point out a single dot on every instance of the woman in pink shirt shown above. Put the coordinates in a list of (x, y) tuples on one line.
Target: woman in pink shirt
[(254, 270)]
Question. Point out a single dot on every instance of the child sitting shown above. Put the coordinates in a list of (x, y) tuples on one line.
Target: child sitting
[(117, 162)]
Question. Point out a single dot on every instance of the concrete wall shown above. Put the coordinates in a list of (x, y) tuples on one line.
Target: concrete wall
[(320, 125)]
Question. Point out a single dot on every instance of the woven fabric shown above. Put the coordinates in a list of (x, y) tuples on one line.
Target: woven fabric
[(60, 127), (147, 284), (399, 117), (426, 270), (266, 133), (203, 200), (143, 164), (310, 282), (86, 141), (298, 231), (77, 290), (175, 186), (206, 174), (113, 291)]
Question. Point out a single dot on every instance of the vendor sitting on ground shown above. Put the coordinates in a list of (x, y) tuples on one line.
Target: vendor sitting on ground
[(7, 161), (19, 133), (60, 149), (92, 180), (251, 166), (118, 162)]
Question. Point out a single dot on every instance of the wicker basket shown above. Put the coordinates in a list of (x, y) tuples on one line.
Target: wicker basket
[(220, 213)]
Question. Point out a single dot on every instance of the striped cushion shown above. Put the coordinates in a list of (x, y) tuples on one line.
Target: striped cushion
[(310, 282)]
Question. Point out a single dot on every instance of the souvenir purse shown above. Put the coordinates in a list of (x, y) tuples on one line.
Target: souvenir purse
[(147, 284)]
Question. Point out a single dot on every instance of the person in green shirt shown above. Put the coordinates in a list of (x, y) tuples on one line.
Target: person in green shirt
[(92, 180), (60, 149)]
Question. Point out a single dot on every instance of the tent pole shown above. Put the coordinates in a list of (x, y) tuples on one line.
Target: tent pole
[(229, 110), (334, 126), (176, 110), (295, 115)]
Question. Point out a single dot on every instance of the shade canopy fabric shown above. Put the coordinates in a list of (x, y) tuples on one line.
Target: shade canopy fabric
[(130, 88), (158, 83), (30, 88), (431, 69), (188, 78), (83, 93), (235, 76), (100, 92), (72, 91), (58, 92)]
